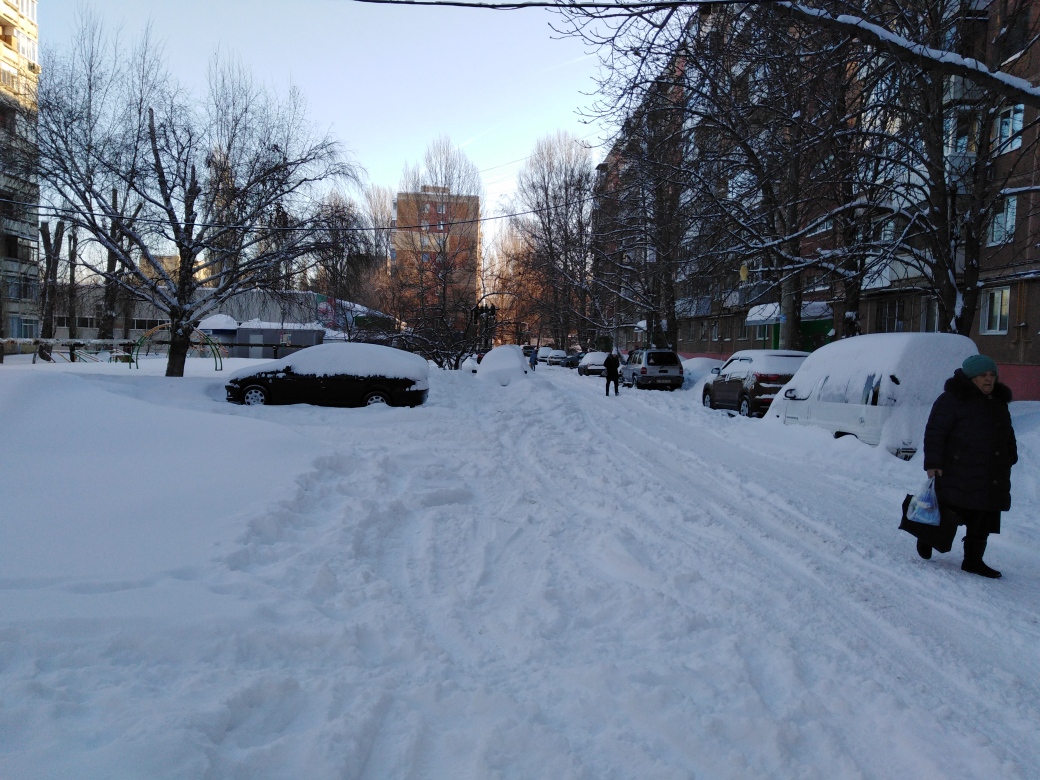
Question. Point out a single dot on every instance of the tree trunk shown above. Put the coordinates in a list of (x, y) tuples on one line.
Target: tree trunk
[(180, 343), (73, 329), (790, 313)]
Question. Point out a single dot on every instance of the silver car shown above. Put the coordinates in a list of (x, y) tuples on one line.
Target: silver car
[(652, 368)]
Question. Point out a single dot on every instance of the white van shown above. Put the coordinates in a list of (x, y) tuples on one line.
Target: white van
[(879, 388)]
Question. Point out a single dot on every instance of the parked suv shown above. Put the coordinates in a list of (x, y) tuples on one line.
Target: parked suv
[(648, 368), (749, 381)]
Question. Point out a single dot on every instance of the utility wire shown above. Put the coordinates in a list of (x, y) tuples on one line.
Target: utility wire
[(59, 211)]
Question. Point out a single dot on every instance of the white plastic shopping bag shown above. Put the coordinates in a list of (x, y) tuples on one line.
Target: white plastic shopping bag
[(924, 506)]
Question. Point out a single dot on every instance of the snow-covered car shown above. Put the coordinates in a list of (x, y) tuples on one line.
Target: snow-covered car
[(543, 354), (750, 380), (878, 387), (571, 361), (592, 364), (503, 365), (349, 374), (556, 357), (696, 369)]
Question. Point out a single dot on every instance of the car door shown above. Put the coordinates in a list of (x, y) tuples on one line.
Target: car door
[(722, 388), (631, 367)]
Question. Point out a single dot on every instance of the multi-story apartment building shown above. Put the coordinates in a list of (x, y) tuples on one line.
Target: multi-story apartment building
[(950, 239), (436, 257), (18, 221)]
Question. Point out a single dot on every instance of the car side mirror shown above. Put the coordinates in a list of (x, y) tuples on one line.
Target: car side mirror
[(789, 393), (716, 370)]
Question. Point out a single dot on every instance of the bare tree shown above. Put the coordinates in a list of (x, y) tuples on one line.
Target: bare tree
[(185, 202), (554, 196)]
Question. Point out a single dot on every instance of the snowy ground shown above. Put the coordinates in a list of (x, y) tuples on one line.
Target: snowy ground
[(524, 582)]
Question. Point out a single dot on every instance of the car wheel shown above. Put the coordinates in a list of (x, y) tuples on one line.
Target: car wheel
[(745, 407), (707, 400), (254, 395), (376, 398)]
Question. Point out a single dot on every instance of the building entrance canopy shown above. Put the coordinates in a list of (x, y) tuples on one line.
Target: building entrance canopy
[(769, 313)]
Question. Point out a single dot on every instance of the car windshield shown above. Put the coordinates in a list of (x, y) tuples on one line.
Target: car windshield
[(662, 359)]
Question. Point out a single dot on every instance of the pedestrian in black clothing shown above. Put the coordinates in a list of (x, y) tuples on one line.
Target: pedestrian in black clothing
[(610, 369), (970, 447)]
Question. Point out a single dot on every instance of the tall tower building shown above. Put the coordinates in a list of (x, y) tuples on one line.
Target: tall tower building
[(436, 254), (19, 70)]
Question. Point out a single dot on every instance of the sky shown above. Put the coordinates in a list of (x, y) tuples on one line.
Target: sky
[(385, 81)]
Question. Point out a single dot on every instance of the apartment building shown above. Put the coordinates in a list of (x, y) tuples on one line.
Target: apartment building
[(435, 258), (19, 69)]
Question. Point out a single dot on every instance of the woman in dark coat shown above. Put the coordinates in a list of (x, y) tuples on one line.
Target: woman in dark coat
[(970, 447), (610, 369)]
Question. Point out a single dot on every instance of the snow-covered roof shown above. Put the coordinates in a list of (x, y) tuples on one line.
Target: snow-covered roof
[(350, 358), (769, 313), (260, 324), (219, 322)]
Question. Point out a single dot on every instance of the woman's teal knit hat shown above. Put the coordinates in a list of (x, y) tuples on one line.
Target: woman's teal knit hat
[(977, 364)]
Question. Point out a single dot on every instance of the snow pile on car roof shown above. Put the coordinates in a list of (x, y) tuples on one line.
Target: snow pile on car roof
[(351, 359), (593, 359), (920, 362), (503, 365)]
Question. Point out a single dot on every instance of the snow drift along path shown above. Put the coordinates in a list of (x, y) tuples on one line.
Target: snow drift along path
[(521, 581)]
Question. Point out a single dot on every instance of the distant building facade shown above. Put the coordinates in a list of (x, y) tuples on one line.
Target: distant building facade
[(19, 69)]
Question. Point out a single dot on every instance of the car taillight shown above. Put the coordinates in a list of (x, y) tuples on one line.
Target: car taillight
[(767, 377), (642, 370), (680, 370)]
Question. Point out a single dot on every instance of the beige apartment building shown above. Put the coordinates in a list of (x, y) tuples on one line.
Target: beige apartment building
[(435, 255), (19, 70)]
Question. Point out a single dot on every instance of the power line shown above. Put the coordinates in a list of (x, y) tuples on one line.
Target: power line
[(42, 211), (564, 5)]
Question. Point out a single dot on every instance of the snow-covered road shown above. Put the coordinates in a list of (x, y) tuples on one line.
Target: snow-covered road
[(529, 581)]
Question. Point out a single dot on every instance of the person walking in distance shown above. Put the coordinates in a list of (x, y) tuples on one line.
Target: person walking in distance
[(610, 370), (534, 359), (969, 448)]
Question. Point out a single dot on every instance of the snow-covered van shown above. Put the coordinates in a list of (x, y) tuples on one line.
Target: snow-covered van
[(878, 388)]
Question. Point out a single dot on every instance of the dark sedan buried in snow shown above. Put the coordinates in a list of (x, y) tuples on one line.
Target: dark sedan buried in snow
[(349, 374)]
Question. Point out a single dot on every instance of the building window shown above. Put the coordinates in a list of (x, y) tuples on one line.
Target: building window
[(995, 308), (23, 328), (930, 316), (149, 324), (1002, 226), (1008, 129), (891, 316), (715, 331), (744, 332), (426, 208), (85, 322), (822, 227), (440, 208), (764, 332), (426, 257)]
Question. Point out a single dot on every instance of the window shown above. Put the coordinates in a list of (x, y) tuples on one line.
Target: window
[(715, 331), (995, 307), (744, 333), (821, 227), (426, 257), (426, 209), (930, 316), (23, 328), (891, 316), (962, 133), (1002, 226), (440, 208), (1007, 131), (764, 332)]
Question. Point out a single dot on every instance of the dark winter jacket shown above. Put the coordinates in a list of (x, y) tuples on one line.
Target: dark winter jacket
[(969, 436), (610, 365)]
